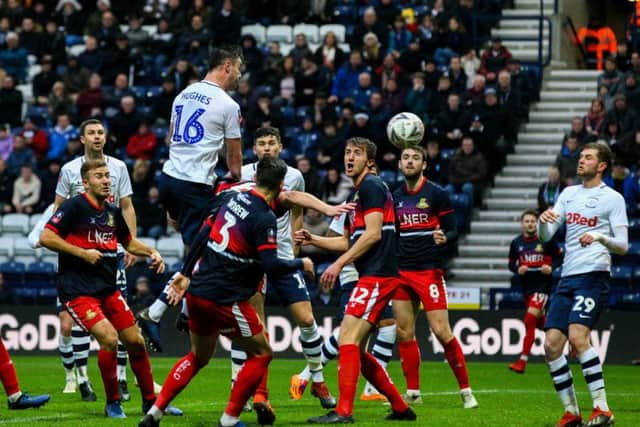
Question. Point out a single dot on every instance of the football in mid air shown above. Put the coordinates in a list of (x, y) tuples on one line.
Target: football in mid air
[(405, 129)]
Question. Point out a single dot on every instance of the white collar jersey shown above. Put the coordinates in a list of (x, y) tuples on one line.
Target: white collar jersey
[(293, 181), (582, 209), (203, 115)]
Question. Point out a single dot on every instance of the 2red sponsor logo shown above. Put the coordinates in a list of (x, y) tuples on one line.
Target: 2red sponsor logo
[(578, 219)]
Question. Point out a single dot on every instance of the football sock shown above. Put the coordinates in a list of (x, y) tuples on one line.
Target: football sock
[(563, 383), (238, 357), (455, 357), (8, 374), (81, 341), (410, 359), (249, 377), (379, 378), (383, 349), (329, 351), (107, 364), (179, 377), (311, 342), (530, 334), (262, 391), (66, 354), (348, 372), (122, 362), (541, 321), (592, 371), (160, 305), (141, 368)]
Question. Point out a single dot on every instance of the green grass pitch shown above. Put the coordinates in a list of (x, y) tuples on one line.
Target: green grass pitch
[(506, 399)]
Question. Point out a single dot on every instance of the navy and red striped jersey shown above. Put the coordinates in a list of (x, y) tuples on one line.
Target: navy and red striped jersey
[(82, 223), (533, 253), (373, 195), (420, 212), (241, 246)]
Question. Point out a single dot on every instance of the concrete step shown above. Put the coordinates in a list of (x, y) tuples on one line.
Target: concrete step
[(526, 44), (489, 239), (485, 250), (483, 227), (525, 171), (532, 148), (580, 107), (502, 203), (502, 181), (530, 159), (472, 262), (553, 116), (559, 126), (566, 95), (548, 11), (505, 216), (481, 275), (526, 55), (534, 4), (520, 32), (454, 283), (526, 192), (585, 85), (574, 75), (506, 23), (539, 138)]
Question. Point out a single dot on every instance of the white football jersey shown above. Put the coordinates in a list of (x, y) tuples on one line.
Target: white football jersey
[(599, 209), (70, 180), (294, 181), (203, 115), (349, 272)]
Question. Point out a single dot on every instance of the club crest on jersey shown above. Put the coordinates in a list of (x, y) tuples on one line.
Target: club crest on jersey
[(271, 236), (90, 314), (57, 217), (110, 220), (422, 204), (539, 248), (591, 202)]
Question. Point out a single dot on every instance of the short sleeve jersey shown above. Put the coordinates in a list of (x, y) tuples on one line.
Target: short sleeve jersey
[(533, 253), (599, 209), (373, 195), (82, 223), (229, 269), (203, 115), (419, 214), (293, 181)]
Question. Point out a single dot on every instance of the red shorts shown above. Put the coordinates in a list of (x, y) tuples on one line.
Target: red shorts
[(87, 311), (207, 318), (537, 300), (371, 296), (428, 286)]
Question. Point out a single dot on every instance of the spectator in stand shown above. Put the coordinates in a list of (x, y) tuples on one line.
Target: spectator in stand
[(627, 149), (75, 77), (594, 120), (60, 135), (6, 188), (306, 142), (291, 12), (393, 96), (315, 223), (140, 296), (428, 36), (549, 190), (322, 111), (312, 182), (263, 114), (224, 26), (69, 17), (467, 171), (437, 166), (92, 59), (567, 160), (44, 80), (286, 77), (440, 96), (379, 116), (598, 41), (253, 61), (362, 92), (399, 37), (163, 45), (300, 50), (623, 60), (452, 122), (141, 180), (183, 73), (164, 100), (471, 66), (457, 76), (387, 70), (418, 98), (432, 74), (7, 295), (194, 43), (53, 43), (361, 127), (372, 51), (509, 98), (522, 84), (308, 79), (412, 58), (200, 7), (138, 37), (74, 149), (13, 58), (621, 114), (330, 148), (90, 98), (152, 220), (611, 76), (620, 177), (272, 66), (119, 60), (347, 77), (613, 136), (107, 32), (114, 95), (475, 95), (580, 132), (59, 100), (369, 24), (494, 59), (329, 54), (124, 124), (36, 139), (458, 42), (631, 91), (10, 102), (26, 191), (493, 144), (6, 141), (142, 144), (336, 187), (49, 180)]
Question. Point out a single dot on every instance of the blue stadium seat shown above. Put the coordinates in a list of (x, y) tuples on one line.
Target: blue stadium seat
[(292, 132), (344, 14), (389, 177), (41, 276), (420, 10), (289, 115), (13, 273), (621, 276), (635, 278), (160, 132), (140, 92), (177, 266), (634, 229)]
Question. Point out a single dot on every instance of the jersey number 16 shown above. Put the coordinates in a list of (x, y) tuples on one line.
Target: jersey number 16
[(191, 131)]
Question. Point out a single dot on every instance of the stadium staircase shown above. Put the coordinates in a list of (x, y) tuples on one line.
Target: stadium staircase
[(483, 253)]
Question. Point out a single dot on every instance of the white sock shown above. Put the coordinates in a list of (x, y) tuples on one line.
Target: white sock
[(15, 397), (563, 383), (155, 413), (311, 341), (65, 347), (228, 420), (157, 309), (592, 371)]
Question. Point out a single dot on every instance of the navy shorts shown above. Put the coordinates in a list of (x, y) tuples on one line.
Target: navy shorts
[(345, 294), (290, 288), (188, 203), (578, 299)]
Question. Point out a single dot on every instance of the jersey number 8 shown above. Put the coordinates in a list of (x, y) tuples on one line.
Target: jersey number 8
[(192, 132)]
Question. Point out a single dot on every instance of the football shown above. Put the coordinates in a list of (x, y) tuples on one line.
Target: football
[(405, 129)]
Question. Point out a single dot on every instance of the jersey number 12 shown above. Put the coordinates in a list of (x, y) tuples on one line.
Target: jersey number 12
[(192, 132)]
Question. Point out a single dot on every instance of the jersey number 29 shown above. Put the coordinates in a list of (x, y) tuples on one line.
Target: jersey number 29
[(191, 131)]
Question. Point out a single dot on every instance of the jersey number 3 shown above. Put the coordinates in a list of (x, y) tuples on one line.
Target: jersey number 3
[(229, 221), (191, 131)]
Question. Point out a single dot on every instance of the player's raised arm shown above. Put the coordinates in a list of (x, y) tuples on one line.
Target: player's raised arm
[(309, 201), (333, 244)]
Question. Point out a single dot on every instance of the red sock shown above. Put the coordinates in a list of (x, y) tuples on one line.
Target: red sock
[(249, 377), (455, 357), (8, 372), (262, 391), (348, 372), (378, 377), (410, 360), (541, 321), (141, 368), (107, 362), (530, 333), (180, 375)]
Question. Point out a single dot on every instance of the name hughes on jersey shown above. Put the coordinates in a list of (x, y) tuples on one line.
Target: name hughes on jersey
[(195, 96), (578, 219)]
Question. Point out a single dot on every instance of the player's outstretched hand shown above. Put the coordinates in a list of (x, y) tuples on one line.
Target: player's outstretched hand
[(129, 259), (308, 267), (92, 256), (330, 275), (548, 217), (157, 263), (178, 287), (439, 237), (302, 237), (340, 209)]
